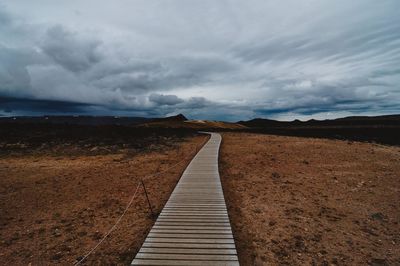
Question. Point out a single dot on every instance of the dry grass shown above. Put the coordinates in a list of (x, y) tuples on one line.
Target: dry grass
[(54, 209), (304, 201)]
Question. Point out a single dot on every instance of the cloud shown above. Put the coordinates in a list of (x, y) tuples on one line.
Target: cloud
[(31, 106), (70, 50), (198, 102), (208, 60), (13, 72), (165, 99), (5, 18)]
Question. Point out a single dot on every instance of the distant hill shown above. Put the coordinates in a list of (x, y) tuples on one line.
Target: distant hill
[(381, 129), (385, 120), (180, 121), (75, 120), (261, 122), (175, 118), (194, 124), (89, 120), (176, 121)]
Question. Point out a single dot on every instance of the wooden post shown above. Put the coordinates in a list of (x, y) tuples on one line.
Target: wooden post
[(147, 197)]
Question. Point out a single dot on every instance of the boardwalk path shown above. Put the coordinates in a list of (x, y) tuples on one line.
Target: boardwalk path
[(193, 228)]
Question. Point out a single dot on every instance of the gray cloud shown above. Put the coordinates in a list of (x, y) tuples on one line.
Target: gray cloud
[(209, 60), (165, 99), (198, 102), (13, 73), (70, 51), (5, 18), (9, 104)]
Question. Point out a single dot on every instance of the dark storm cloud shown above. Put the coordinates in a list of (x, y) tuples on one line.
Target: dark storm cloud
[(165, 99), (162, 74), (70, 51), (9, 104), (206, 59), (198, 102)]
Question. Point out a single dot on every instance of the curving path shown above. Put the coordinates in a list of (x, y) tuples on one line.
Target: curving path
[(193, 228)]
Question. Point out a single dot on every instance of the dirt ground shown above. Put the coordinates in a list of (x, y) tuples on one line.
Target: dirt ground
[(55, 207), (305, 201)]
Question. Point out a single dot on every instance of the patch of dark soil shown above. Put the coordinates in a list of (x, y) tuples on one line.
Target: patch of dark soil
[(74, 140)]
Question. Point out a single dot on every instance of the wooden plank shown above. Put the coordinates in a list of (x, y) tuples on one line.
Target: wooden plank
[(189, 240), (183, 262), (188, 245), (194, 217), (186, 256), (174, 219), (216, 214), (193, 228), (191, 231), (188, 251), (177, 235), (186, 211), (191, 224), (194, 209), (182, 227), (199, 205)]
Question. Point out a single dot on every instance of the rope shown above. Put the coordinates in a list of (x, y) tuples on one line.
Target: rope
[(126, 209), (166, 170), (112, 228)]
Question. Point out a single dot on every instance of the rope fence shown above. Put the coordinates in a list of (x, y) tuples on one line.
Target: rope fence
[(112, 228), (139, 183)]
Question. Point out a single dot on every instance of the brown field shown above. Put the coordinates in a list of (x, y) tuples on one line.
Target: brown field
[(57, 202), (305, 201), (291, 200)]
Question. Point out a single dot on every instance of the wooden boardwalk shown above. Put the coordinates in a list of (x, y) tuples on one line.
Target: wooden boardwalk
[(193, 228)]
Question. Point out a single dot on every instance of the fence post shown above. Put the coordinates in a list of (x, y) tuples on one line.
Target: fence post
[(147, 197)]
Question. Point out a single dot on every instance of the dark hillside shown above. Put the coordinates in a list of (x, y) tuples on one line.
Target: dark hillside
[(380, 129)]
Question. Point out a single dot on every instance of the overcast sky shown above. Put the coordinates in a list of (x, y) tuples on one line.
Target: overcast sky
[(226, 60)]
